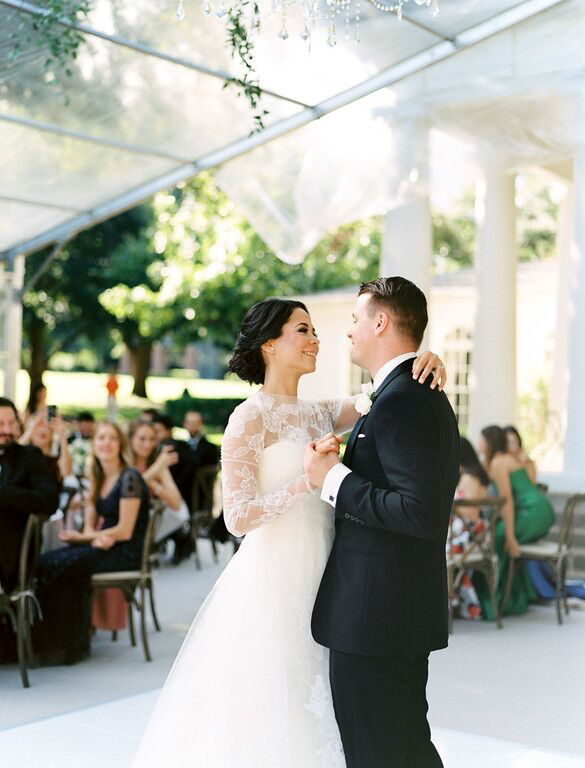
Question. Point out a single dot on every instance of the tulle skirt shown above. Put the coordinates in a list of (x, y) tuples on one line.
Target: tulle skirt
[(250, 687)]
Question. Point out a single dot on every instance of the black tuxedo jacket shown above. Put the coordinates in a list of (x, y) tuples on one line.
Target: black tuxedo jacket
[(190, 460), (26, 487), (205, 454), (384, 590)]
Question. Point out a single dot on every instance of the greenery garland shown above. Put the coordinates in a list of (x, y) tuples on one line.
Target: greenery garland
[(48, 32), (243, 48)]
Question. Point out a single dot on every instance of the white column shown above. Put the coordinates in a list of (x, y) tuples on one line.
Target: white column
[(557, 397), (13, 326), (493, 381), (574, 460), (407, 248)]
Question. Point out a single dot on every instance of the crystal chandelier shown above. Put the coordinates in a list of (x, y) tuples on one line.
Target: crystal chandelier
[(332, 13)]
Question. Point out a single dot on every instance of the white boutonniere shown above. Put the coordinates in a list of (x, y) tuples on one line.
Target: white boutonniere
[(364, 401)]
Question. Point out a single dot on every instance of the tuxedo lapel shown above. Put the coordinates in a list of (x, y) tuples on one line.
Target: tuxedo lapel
[(405, 366), (352, 440)]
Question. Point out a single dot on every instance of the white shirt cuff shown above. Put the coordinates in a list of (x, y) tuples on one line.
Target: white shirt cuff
[(332, 483)]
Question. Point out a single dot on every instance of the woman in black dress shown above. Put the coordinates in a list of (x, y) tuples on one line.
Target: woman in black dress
[(119, 495)]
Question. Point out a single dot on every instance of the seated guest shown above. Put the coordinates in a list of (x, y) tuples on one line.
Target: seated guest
[(109, 606), (80, 442), (205, 454), (183, 472), (26, 488), (526, 516), (148, 414), (473, 479), (467, 526), (118, 495), (37, 401), (516, 449), (154, 465), (204, 451), (40, 432)]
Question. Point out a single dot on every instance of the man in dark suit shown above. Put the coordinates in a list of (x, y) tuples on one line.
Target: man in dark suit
[(205, 453), (382, 604), (26, 487), (182, 471)]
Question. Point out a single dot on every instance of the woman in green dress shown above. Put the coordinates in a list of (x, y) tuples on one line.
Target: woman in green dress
[(527, 516)]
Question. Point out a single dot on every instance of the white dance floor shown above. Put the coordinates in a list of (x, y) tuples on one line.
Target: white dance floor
[(107, 737), (513, 698)]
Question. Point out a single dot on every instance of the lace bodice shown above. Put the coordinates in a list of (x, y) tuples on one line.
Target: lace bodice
[(255, 425)]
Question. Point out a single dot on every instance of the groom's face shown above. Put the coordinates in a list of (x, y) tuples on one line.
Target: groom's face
[(362, 330)]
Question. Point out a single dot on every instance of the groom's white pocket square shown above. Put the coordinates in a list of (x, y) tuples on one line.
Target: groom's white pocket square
[(361, 435)]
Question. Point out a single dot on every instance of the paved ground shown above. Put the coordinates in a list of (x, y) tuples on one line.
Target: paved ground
[(513, 697)]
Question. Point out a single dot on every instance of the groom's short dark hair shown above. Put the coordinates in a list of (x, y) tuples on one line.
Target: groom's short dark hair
[(403, 300)]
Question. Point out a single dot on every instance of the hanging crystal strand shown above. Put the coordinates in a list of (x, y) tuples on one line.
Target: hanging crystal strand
[(207, 8), (331, 31), (358, 12), (347, 18), (221, 10), (181, 10), (284, 31), (434, 8)]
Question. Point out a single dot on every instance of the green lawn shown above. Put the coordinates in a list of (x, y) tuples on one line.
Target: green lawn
[(74, 391)]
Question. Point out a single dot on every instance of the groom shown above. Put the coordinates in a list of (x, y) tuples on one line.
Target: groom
[(382, 603)]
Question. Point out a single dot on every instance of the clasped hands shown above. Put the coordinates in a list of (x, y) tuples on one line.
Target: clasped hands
[(320, 456)]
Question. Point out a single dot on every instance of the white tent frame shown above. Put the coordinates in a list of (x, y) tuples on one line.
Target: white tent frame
[(445, 48)]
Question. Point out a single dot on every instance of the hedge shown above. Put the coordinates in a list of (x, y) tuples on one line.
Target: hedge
[(215, 410)]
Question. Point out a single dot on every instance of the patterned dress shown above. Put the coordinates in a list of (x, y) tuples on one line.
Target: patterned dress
[(465, 533), (64, 576)]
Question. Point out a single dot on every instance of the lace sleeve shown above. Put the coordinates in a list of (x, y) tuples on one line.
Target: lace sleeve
[(241, 454), (343, 414), (132, 484)]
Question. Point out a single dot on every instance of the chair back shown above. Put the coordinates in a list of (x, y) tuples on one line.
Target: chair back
[(203, 485), (567, 527), (491, 508), (30, 550), (149, 548)]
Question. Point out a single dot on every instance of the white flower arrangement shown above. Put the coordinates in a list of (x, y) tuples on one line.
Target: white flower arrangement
[(364, 401)]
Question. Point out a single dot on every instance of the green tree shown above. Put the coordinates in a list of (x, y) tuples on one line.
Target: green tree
[(145, 300), (226, 267), (453, 241), (536, 222), (63, 305)]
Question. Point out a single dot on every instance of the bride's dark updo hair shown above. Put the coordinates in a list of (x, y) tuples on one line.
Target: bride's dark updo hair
[(264, 321)]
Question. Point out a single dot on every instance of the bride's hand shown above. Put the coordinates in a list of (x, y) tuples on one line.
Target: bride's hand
[(426, 364), (329, 443)]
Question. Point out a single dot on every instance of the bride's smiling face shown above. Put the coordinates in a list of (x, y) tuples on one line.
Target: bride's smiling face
[(297, 346)]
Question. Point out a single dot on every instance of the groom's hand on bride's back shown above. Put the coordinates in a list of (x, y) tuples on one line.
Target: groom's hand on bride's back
[(317, 464)]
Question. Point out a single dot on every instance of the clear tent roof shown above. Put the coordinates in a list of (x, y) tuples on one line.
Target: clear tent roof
[(146, 108)]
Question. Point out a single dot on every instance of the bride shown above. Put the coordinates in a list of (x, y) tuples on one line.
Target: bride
[(250, 687)]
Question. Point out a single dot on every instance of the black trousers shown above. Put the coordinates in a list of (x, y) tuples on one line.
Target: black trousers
[(381, 708)]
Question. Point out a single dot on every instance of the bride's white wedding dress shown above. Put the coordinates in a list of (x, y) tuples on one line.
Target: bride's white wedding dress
[(250, 687)]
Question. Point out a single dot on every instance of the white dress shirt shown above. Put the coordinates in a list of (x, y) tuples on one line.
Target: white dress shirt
[(339, 472)]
